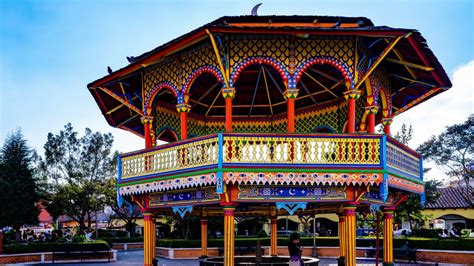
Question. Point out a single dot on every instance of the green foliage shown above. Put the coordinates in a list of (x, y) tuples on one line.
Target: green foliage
[(419, 243), (411, 209), (426, 233), (17, 184), (98, 245), (453, 150), (78, 170), (261, 234), (112, 240)]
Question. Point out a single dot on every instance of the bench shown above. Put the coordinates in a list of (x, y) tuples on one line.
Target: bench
[(68, 254)]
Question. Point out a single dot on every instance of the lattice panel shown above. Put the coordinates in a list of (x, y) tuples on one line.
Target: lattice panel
[(169, 70), (196, 128), (340, 48), (166, 119), (307, 122), (195, 58), (264, 46)]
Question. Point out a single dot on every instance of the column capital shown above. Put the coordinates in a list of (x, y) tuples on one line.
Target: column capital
[(146, 119), (183, 108), (291, 93), (372, 109), (352, 94), (228, 93), (387, 121)]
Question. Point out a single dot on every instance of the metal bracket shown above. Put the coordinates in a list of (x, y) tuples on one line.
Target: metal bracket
[(182, 210)]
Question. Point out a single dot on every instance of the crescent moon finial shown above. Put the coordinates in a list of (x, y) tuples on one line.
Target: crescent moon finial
[(255, 9)]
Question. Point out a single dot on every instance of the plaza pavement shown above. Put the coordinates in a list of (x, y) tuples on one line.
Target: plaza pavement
[(136, 258)]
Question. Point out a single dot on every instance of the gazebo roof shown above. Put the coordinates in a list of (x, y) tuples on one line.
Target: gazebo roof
[(418, 60)]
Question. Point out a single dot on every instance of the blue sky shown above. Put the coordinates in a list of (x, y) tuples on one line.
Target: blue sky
[(51, 49)]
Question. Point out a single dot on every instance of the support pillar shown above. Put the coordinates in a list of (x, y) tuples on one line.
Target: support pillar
[(351, 97), (147, 123), (273, 237), (388, 236), (350, 234), (203, 238), (183, 110), (386, 122), (290, 95), (228, 94), (342, 235), (371, 111), (229, 235), (149, 238)]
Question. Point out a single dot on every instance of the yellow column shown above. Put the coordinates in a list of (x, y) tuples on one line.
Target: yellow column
[(229, 235), (273, 237), (203, 238), (350, 234), (342, 235), (149, 238), (388, 236)]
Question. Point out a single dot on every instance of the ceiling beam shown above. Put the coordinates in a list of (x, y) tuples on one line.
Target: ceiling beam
[(121, 100), (320, 84), (408, 64)]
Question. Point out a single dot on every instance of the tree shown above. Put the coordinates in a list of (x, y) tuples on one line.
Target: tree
[(405, 134), (453, 150), (125, 213), (17, 184), (410, 210), (78, 169)]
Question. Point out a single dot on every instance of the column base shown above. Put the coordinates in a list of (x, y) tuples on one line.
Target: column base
[(388, 264)]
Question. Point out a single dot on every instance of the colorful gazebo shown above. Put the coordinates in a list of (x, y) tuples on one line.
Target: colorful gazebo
[(271, 115)]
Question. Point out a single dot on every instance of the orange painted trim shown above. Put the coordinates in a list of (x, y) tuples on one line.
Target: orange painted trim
[(291, 115)]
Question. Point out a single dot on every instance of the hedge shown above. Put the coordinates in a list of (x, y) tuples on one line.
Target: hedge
[(112, 240), (98, 245), (419, 243)]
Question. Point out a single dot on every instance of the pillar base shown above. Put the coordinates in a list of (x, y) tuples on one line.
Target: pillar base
[(388, 264), (341, 261)]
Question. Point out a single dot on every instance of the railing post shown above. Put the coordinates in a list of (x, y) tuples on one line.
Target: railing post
[(220, 161)]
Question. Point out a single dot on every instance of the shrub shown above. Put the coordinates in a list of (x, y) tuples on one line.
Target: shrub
[(98, 245), (112, 240), (425, 233), (261, 234)]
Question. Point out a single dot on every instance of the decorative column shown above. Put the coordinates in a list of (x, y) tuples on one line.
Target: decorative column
[(273, 237), (388, 235), (342, 235), (147, 124), (351, 97), (228, 94), (350, 237), (290, 95), (149, 238), (183, 110), (229, 235), (371, 111), (203, 238), (386, 122)]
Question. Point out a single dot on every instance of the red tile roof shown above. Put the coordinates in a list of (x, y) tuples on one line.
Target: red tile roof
[(452, 198)]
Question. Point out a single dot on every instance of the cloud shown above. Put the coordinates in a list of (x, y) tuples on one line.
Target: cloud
[(446, 109)]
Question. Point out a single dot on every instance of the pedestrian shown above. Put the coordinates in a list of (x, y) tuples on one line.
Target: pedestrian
[(295, 250)]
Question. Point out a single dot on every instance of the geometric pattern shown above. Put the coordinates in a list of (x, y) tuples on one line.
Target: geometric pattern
[(274, 178), (201, 195), (404, 184), (310, 193)]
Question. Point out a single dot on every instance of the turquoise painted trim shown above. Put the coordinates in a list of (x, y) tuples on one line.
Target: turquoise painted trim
[(119, 179), (383, 152), (220, 160)]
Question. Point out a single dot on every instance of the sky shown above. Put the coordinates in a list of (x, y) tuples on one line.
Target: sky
[(51, 49)]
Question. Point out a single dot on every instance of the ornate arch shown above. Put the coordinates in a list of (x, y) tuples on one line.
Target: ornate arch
[(203, 69), (323, 60), (167, 129), (278, 66), (158, 87)]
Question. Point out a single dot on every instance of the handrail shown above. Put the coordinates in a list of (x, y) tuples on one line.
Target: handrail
[(366, 151)]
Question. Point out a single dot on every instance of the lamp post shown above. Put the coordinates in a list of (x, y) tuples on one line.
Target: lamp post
[(314, 252)]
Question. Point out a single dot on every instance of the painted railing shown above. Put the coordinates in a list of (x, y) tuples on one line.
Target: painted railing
[(403, 161), (169, 158), (231, 150)]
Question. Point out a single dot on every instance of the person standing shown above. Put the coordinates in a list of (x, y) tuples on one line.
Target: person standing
[(295, 250)]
